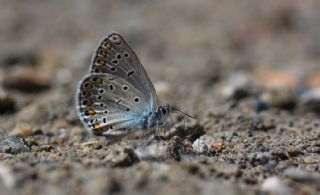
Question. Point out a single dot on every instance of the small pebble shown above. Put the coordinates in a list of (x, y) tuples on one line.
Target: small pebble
[(7, 104), (301, 175), (203, 144), (22, 129), (311, 99), (18, 56), (238, 86), (7, 176), (122, 157), (274, 185), (26, 80), (14, 145), (279, 98), (153, 151)]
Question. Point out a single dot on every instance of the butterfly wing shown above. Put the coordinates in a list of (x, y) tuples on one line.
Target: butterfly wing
[(109, 105), (115, 56)]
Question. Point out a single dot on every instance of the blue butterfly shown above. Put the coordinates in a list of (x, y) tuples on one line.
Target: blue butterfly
[(117, 96)]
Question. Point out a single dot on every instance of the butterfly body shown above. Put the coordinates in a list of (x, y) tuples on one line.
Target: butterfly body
[(117, 96)]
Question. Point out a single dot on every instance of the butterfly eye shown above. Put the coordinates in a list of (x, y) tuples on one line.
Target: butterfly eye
[(163, 111)]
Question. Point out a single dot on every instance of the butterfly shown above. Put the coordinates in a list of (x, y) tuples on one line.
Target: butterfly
[(117, 96)]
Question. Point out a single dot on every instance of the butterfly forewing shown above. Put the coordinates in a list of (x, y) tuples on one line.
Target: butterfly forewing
[(115, 56), (108, 104)]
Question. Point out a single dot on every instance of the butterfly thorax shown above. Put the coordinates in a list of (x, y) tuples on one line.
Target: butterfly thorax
[(157, 118)]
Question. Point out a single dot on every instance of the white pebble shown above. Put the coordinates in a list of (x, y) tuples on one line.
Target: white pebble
[(275, 186)]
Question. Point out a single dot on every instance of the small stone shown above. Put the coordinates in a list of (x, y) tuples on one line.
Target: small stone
[(282, 98), (294, 151), (258, 105), (22, 129), (7, 104), (122, 157), (239, 85), (310, 160), (301, 175), (274, 185), (14, 145), (275, 78), (7, 176), (63, 76), (203, 144), (153, 151), (18, 56), (26, 80), (311, 99), (217, 145)]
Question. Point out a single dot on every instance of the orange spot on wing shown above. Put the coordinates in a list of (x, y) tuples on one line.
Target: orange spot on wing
[(90, 112), (99, 81), (96, 126)]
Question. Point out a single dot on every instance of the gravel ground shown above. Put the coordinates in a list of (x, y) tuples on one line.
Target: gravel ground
[(249, 71)]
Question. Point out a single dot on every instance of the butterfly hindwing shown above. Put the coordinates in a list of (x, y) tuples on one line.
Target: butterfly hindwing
[(115, 56), (110, 105)]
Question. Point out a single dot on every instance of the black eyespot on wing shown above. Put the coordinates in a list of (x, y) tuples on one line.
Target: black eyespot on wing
[(118, 56), (128, 109), (130, 73), (113, 69), (104, 120), (111, 87), (102, 105), (101, 91), (114, 61), (99, 97), (111, 127), (125, 87), (126, 54), (106, 112), (136, 99)]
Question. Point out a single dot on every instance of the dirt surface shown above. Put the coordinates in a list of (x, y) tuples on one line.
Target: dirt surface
[(248, 70)]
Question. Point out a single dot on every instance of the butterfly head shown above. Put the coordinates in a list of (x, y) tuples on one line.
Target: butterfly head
[(163, 113)]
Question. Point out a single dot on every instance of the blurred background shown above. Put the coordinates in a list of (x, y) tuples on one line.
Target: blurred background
[(184, 45)]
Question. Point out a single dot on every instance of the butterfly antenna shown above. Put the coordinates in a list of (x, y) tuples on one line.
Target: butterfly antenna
[(181, 112)]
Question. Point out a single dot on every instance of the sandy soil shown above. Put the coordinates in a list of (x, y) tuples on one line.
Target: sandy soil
[(249, 71)]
